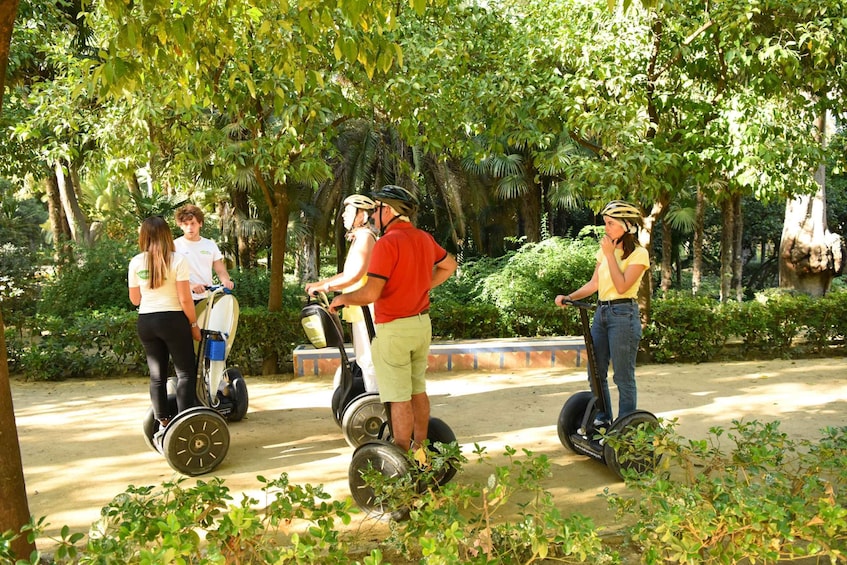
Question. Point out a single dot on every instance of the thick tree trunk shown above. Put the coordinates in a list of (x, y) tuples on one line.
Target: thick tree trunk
[(737, 259), (697, 246), (279, 209), (62, 252), (727, 238), (667, 255), (70, 204), (810, 256), (14, 507)]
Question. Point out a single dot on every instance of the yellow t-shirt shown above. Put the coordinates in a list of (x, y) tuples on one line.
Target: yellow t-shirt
[(605, 287)]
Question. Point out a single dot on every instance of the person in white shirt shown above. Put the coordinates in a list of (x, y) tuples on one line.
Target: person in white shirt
[(202, 253), (362, 237), (167, 323)]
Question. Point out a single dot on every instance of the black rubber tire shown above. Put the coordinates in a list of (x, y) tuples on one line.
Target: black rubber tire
[(364, 420), (196, 441), (572, 415), (238, 391), (439, 431), (640, 462), (389, 460)]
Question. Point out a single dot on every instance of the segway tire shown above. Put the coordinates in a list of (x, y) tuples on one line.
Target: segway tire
[(440, 432), (364, 420), (625, 457), (571, 417), (196, 441), (390, 461), (238, 391)]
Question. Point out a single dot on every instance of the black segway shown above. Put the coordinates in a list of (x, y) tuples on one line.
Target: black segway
[(197, 440), (359, 413), (578, 430), (387, 458)]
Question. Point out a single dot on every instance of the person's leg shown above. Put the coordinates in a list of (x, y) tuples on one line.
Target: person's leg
[(392, 360), (156, 352), (181, 347), (602, 356), (364, 358), (402, 423), (420, 337), (624, 336)]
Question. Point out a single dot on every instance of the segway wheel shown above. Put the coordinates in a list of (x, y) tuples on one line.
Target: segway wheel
[(196, 441), (441, 432), (626, 456), (387, 459), (150, 425), (364, 420), (238, 388), (571, 417)]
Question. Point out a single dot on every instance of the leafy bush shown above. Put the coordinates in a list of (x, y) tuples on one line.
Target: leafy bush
[(97, 281), (685, 328), (18, 283), (769, 499)]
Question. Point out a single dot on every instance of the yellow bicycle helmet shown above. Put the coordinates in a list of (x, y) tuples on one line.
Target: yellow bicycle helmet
[(625, 212)]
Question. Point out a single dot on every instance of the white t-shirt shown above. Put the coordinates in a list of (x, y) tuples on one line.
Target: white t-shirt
[(164, 298), (201, 255)]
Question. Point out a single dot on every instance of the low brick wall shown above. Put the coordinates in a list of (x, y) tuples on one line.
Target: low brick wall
[(493, 354)]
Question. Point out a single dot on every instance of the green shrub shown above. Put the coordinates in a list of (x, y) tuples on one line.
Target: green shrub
[(685, 328), (767, 500), (97, 281)]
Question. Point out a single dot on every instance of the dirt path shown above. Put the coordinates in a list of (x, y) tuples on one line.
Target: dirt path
[(81, 440)]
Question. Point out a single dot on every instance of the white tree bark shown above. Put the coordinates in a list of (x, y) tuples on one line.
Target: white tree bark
[(810, 256)]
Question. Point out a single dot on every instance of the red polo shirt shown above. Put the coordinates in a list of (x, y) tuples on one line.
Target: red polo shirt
[(404, 257)]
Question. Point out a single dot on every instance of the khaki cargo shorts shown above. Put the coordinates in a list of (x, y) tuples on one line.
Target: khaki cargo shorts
[(400, 351)]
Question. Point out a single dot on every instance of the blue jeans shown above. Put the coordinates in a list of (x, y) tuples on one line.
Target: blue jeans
[(616, 331)]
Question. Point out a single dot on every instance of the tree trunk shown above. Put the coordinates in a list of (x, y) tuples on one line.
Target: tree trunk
[(727, 238), (279, 208), (667, 255), (737, 259), (62, 252), (14, 507), (697, 246), (810, 256), (70, 204)]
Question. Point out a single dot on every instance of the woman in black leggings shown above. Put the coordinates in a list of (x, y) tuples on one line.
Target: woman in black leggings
[(167, 323)]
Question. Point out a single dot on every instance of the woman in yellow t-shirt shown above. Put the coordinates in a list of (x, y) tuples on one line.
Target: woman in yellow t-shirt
[(616, 329)]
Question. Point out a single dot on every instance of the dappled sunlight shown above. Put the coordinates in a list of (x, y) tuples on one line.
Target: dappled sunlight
[(82, 442)]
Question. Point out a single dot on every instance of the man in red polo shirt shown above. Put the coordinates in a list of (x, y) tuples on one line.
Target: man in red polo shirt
[(405, 265)]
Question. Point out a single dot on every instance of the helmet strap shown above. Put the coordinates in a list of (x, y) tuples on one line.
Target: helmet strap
[(385, 227)]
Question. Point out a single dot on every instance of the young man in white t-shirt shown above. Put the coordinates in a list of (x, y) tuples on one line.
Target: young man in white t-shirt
[(202, 254)]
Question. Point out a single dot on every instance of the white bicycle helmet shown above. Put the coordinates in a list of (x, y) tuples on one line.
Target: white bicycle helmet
[(360, 201), (624, 212)]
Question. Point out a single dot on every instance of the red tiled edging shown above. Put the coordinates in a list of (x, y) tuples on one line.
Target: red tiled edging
[(491, 354)]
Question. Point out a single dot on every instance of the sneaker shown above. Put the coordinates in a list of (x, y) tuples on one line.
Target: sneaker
[(159, 437), (601, 423)]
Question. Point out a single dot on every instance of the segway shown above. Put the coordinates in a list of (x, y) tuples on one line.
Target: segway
[(197, 440), (384, 456), (581, 433), (359, 413)]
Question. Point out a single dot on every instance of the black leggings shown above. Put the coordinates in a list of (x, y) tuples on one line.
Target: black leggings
[(167, 335)]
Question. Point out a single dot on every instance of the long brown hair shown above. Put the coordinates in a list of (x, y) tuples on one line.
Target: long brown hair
[(155, 239), (628, 243)]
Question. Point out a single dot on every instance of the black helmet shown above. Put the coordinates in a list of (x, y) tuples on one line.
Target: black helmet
[(403, 201)]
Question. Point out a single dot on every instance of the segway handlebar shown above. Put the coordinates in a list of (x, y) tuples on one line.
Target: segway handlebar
[(216, 287), (580, 304)]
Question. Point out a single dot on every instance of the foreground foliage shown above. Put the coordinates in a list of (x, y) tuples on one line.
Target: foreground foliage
[(760, 496)]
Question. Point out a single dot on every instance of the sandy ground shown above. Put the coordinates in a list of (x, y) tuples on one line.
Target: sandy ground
[(81, 441)]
